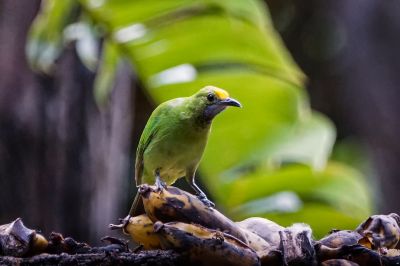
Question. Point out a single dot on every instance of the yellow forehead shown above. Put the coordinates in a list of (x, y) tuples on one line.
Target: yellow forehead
[(221, 94)]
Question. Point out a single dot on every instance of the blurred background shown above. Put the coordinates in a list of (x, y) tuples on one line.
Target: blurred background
[(316, 141)]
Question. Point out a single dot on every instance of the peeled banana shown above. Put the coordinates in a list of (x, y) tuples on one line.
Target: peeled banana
[(258, 244), (264, 228), (205, 246), (173, 204)]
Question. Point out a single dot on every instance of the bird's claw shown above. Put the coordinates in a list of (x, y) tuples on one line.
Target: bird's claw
[(160, 185), (206, 201), (123, 223)]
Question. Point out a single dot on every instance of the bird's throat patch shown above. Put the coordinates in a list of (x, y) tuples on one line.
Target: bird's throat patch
[(221, 94)]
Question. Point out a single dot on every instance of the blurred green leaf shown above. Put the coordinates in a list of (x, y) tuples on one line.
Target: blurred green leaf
[(322, 218), (309, 142), (351, 152), (338, 186), (156, 35), (87, 43), (335, 198), (45, 38), (280, 202)]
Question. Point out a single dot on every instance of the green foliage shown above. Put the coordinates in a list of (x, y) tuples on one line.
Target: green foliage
[(45, 40), (274, 144), (337, 191)]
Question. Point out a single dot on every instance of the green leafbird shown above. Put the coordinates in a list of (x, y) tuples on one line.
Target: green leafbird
[(174, 139)]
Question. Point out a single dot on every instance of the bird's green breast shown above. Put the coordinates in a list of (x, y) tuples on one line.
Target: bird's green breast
[(176, 147)]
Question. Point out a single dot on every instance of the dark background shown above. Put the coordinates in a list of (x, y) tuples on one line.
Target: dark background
[(59, 154)]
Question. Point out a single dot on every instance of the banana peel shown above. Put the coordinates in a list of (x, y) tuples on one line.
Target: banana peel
[(358, 254), (338, 262), (205, 246), (178, 210), (172, 204), (339, 238), (373, 242), (169, 225), (179, 221), (380, 231), (17, 240), (144, 232), (297, 246), (172, 207)]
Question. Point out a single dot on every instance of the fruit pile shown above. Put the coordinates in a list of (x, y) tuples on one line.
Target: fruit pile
[(177, 229), (177, 220)]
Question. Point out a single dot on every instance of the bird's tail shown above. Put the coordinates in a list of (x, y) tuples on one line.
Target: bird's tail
[(137, 207)]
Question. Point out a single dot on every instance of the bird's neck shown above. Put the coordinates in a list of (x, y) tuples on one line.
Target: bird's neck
[(202, 123), (195, 115)]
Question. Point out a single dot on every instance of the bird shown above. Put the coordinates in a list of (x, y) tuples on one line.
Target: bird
[(173, 141)]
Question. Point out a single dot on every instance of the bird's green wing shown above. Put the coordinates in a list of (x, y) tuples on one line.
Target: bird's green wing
[(148, 134)]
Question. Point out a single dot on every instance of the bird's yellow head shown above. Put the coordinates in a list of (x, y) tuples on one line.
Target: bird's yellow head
[(213, 100), (220, 93)]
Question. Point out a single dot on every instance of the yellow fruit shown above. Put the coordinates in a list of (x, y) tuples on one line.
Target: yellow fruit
[(140, 228), (39, 244)]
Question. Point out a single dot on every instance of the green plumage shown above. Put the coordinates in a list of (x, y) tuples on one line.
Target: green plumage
[(175, 137), (172, 142)]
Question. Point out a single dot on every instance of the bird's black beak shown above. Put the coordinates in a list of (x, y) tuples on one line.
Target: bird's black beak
[(212, 110), (230, 102)]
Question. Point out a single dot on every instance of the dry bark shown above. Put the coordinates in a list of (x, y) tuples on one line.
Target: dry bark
[(149, 258)]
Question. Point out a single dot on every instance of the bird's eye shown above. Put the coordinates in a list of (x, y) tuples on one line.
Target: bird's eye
[(210, 97)]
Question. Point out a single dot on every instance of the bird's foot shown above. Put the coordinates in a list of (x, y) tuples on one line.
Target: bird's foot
[(160, 185), (206, 201), (123, 223)]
